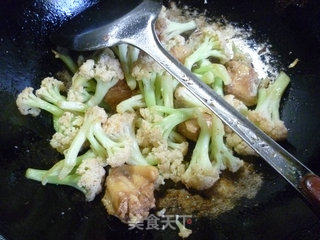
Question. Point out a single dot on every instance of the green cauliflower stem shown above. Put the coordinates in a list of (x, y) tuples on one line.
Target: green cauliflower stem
[(184, 98), (220, 154), (127, 55), (213, 72), (67, 60), (145, 72), (167, 85), (131, 104)]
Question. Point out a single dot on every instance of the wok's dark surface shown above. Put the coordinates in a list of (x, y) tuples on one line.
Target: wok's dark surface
[(30, 211)]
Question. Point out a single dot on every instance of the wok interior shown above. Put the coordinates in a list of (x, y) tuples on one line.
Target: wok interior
[(30, 211)]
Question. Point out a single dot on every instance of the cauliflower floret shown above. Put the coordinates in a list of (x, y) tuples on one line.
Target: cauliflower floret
[(149, 115), (68, 127), (179, 50), (120, 141), (107, 67), (238, 145), (145, 67), (87, 177), (105, 70), (120, 156), (86, 70), (205, 43), (22, 102), (77, 92), (266, 114), (201, 173), (168, 30), (28, 103), (50, 90), (183, 231), (149, 135), (237, 104), (120, 125), (275, 129), (92, 176), (169, 162), (200, 178), (89, 130)]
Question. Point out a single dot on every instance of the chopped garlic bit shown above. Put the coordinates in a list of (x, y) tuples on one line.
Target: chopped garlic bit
[(161, 212), (183, 231), (294, 63)]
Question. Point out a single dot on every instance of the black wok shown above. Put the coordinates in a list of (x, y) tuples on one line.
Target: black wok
[(31, 211)]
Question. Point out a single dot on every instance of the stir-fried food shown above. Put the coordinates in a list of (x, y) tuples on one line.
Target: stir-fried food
[(123, 111)]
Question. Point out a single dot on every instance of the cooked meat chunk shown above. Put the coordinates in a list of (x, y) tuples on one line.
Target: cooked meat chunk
[(180, 52), (244, 82), (129, 192), (117, 94)]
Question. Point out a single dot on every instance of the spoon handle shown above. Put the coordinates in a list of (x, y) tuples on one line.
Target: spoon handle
[(281, 160)]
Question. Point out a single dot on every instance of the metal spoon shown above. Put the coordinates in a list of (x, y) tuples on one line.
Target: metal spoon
[(134, 24)]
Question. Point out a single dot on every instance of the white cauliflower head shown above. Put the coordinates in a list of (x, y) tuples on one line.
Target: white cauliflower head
[(24, 102), (149, 135), (91, 177), (117, 157), (145, 67), (276, 129), (50, 90), (107, 67), (95, 114), (86, 70), (170, 164), (238, 145), (200, 178), (120, 126), (68, 126)]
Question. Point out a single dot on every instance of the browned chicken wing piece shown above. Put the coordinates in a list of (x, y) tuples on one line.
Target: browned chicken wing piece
[(117, 94), (129, 192), (244, 82), (180, 52)]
